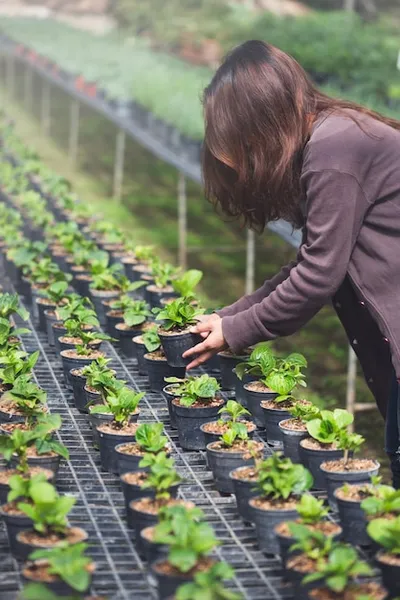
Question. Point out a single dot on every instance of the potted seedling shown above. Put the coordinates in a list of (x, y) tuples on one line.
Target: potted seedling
[(143, 482), (146, 343), (295, 429), (313, 514), (244, 481), (10, 339), (9, 306), (135, 322), (54, 297), (186, 284), (281, 483), (144, 255), (209, 584), (100, 413), (79, 314), (24, 401), (233, 449), (177, 318), (386, 533), (81, 355), (163, 274), (322, 445), (48, 511), (346, 469), (100, 381), (64, 570), (94, 371), (232, 412), (149, 439), (41, 275), (107, 283), (155, 362), (228, 362), (121, 404), (197, 402), (190, 541)]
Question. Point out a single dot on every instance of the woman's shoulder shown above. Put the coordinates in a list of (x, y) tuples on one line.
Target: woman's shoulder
[(346, 141)]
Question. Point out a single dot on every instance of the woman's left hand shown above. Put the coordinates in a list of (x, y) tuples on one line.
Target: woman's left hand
[(214, 342)]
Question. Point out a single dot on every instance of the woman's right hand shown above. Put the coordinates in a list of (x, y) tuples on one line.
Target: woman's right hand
[(207, 319)]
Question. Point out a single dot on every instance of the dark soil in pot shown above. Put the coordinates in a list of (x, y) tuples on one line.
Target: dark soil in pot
[(256, 392), (15, 522), (223, 460), (43, 304), (97, 297), (140, 354), (389, 565), (266, 516), (273, 414), (109, 438), (70, 343), (244, 481), (293, 431), (125, 337), (190, 418), (369, 589), (37, 572), (9, 413), (152, 551), (313, 454), (31, 540), (7, 473), (214, 429), (132, 490), (168, 578), (51, 318), (352, 517), (78, 387), (50, 461), (72, 360), (158, 369), (227, 364), (176, 343), (168, 393), (297, 567), (337, 473), (285, 539), (113, 317), (155, 295)]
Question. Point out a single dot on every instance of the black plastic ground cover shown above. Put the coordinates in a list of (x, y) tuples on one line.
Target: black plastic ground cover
[(121, 574)]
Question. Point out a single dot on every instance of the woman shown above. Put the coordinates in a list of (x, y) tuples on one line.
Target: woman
[(275, 147)]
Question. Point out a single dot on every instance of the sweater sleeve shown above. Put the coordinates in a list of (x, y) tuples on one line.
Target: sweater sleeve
[(335, 209)]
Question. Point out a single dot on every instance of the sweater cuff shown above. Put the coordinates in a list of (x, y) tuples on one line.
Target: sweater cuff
[(240, 331)]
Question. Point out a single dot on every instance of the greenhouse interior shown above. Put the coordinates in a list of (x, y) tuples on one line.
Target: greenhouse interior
[(159, 438)]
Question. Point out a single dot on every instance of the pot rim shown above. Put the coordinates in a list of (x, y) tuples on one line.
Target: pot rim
[(227, 453), (350, 472), (230, 474), (278, 511), (317, 449), (211, 433)]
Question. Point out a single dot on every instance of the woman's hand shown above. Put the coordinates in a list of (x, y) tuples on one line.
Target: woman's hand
[(210, 329)]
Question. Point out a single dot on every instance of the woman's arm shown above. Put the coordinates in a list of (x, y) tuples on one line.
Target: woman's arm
[(335, 206)]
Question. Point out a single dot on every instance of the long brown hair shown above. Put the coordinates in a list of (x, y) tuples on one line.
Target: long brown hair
[(258, 109)]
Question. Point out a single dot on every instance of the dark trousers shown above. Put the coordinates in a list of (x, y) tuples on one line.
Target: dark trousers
[(392, 432)]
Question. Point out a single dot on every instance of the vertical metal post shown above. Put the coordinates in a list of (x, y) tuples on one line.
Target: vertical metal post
[(119, 162), (45, 108), (74, 131), (351, 383), (349, 5), (250, 262), (28, 87), (182, 221), (10, 75)]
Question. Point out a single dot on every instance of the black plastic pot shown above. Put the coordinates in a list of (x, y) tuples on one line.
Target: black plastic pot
[(313, 459), (212, 364), (128, 463), (167, 584), (265, 522), (188, 422), (138, 271), (214, 437), (82, 284), (78, 388), (291, 442), (133, 491), (336, 479), (138, 520), (97, 297), (25, 548), (108, 442), (92, 397), (152, 551), (154, 296), (227, 364), (272, 418), (390, 575), (52, 463), (70, 363), (253, 403), (175, 344), (169, 395), (58, 331), (59, 588), (353, 521), (158, 370), (6, 417), (285, 542), (111, 321), (42, 306), (95, 345), (301, 590), (97, 419), (140, 354), (125, 337), (240, 393), (50, 319), (244, 489), (222, 462), (36, 293), (14, 524), (5, 488), (25, 290)]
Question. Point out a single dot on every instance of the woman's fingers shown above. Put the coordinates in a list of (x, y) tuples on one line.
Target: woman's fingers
[(199, 360), (198, 349)]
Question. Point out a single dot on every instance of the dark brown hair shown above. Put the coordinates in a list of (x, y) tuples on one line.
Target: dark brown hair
[(258, 111)]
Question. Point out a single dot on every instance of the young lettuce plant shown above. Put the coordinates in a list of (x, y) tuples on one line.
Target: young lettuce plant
[(8, 336), (150, 439), (27, 397), (21, 486), (209, 585), (386, 533), (57, 292), (311, 510), (136, 313), (185, 284), (195, 389), (16, 364), (178, 314), (47, 509), (121, 403), (163, 273), (331, 427), (311, 542), (236, 433), (234, 411), (280, 479), (9, 305), (162, 474), (87, 338), (151, 339), (304, 412), (382, 500), (69, 563)]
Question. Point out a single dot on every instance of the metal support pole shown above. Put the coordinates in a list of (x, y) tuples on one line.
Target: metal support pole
[(250, 261), (349, 5), (351, 383), (182, 220), (74, 131), (28, 87), (45, 108), (10, 76), (119, 164)]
